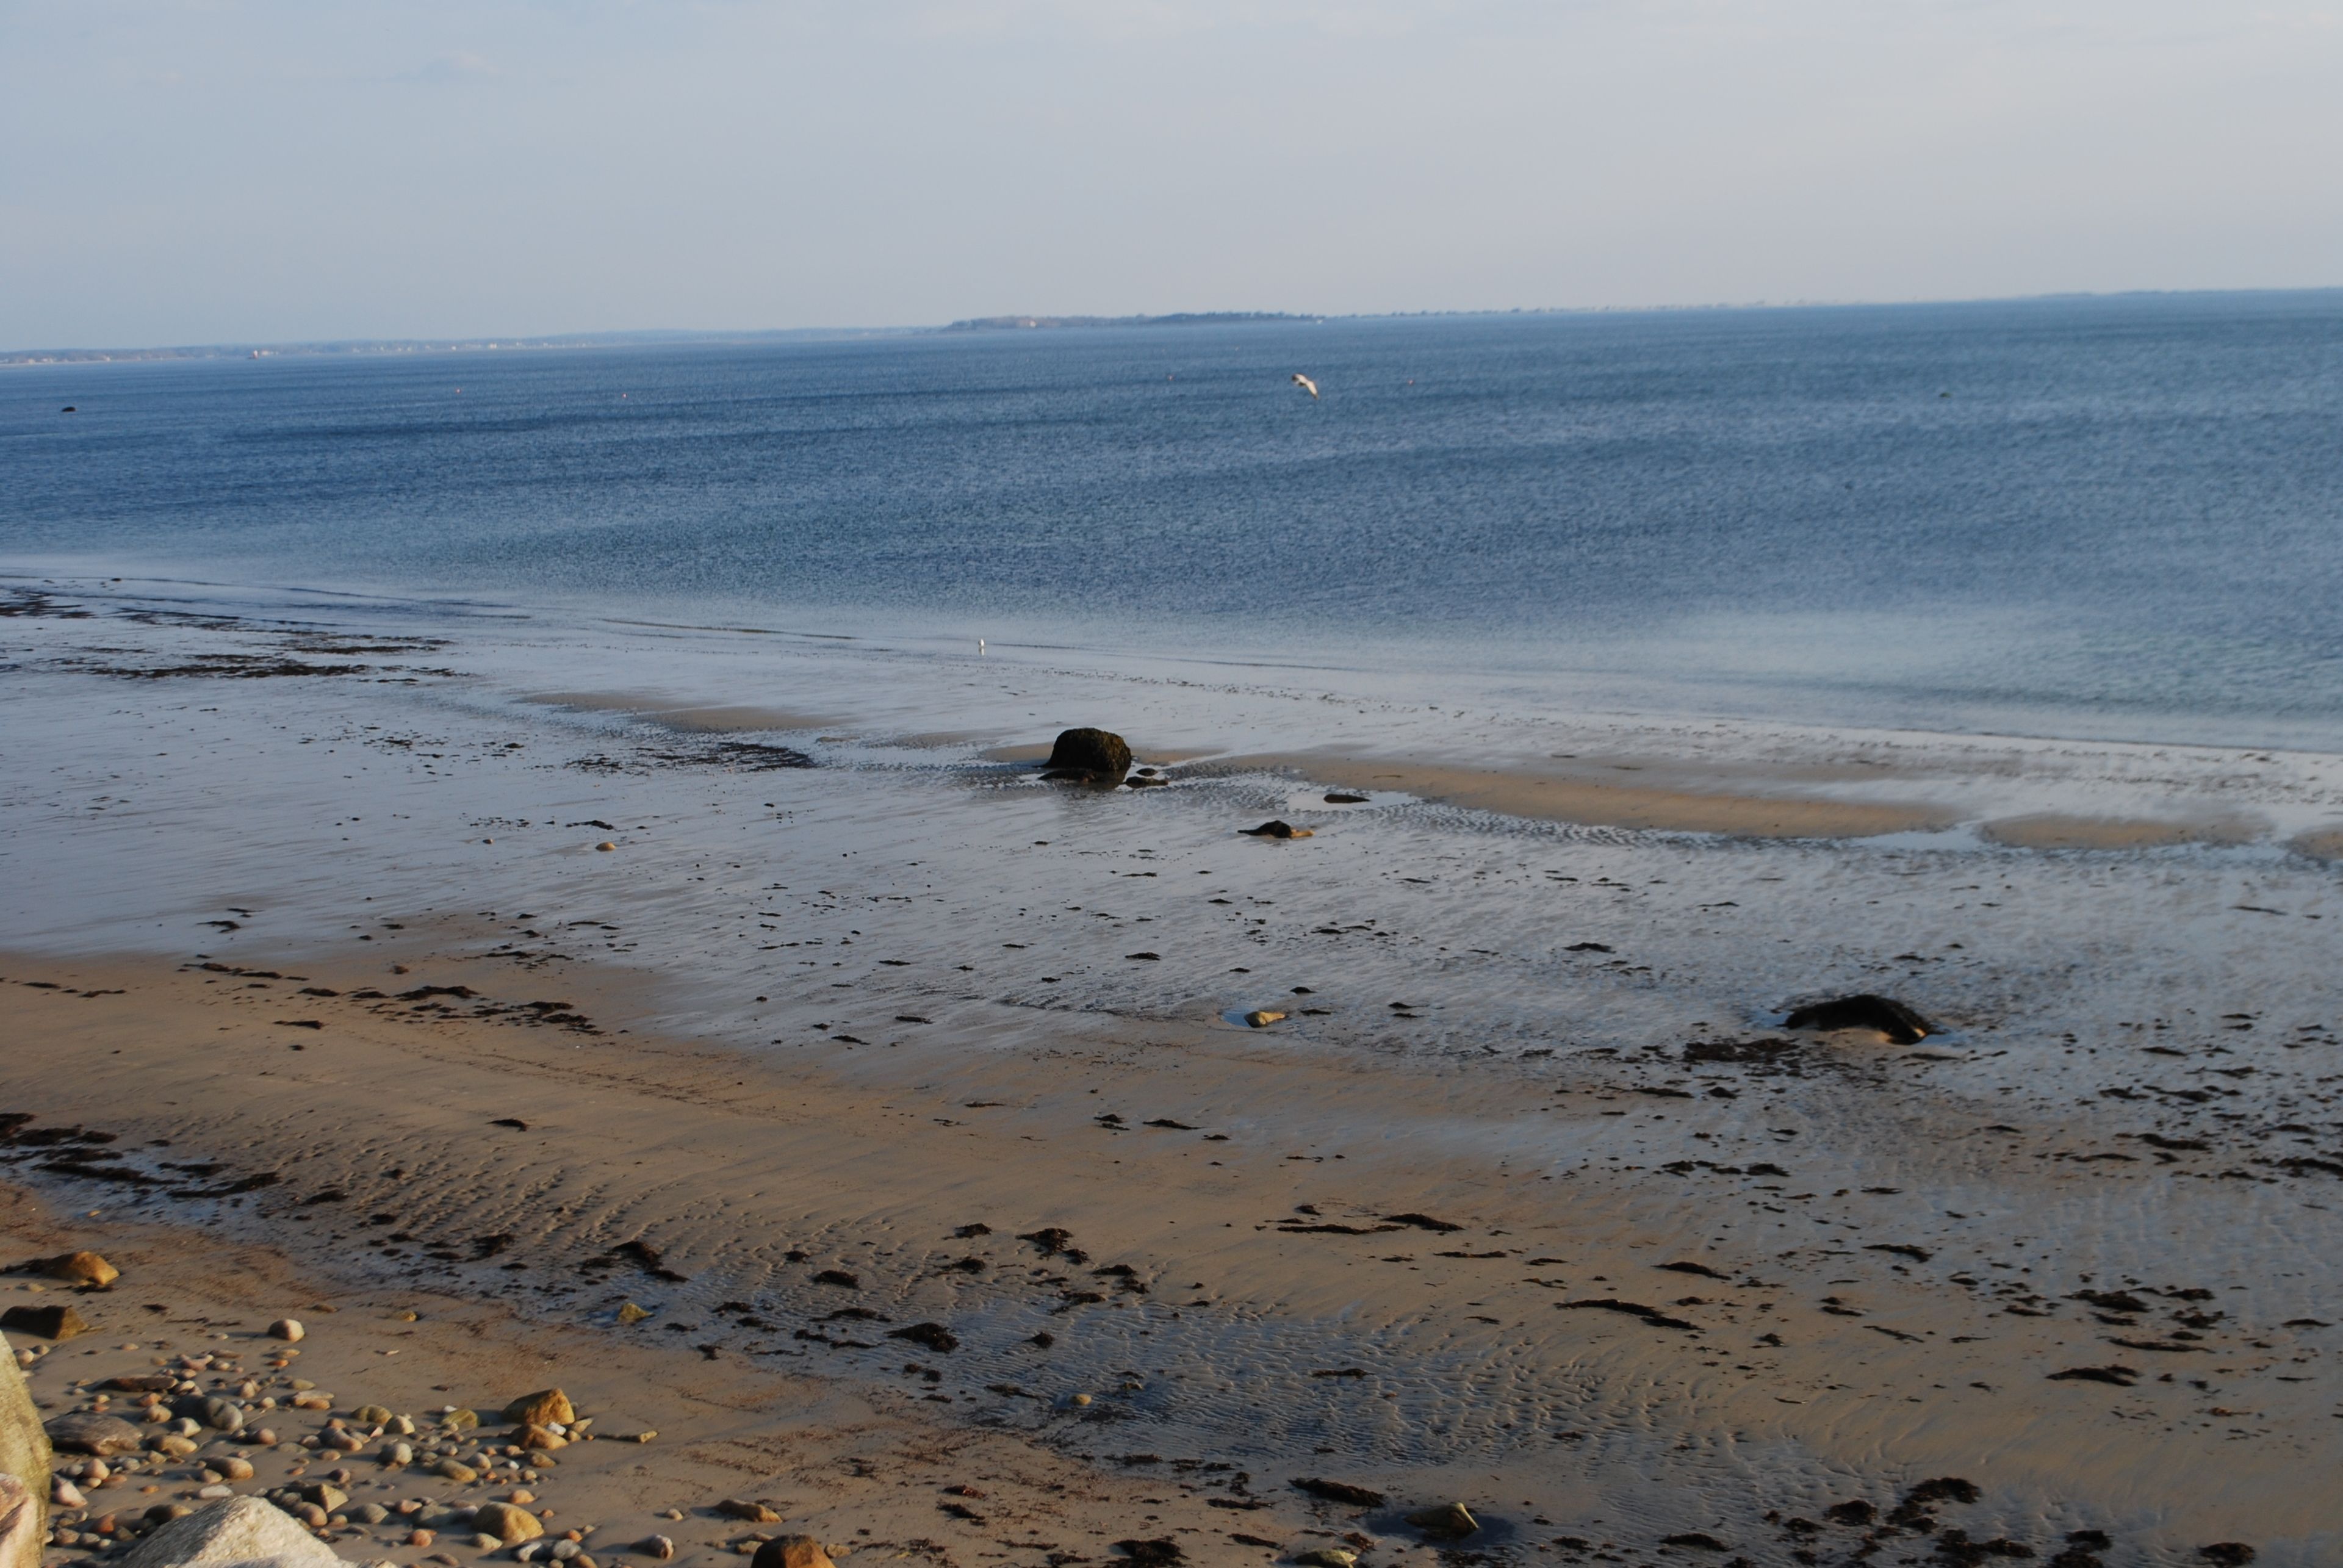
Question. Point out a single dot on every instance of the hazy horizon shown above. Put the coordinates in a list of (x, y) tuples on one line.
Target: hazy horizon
[(257, 172)]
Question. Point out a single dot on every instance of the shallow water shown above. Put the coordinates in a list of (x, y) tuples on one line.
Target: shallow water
[(2108, 518)]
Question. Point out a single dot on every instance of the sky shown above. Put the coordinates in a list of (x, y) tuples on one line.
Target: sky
[(208, 171)]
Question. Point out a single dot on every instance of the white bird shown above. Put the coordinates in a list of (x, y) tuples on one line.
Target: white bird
[(980, 647), (1306, 384)]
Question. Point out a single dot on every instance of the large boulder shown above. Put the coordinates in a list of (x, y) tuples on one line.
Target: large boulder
[(21, 1529), (242, 1533), (24, 1470), (1098, 755)]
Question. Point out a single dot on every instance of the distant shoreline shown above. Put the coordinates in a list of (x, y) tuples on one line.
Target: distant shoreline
[(485, 342)]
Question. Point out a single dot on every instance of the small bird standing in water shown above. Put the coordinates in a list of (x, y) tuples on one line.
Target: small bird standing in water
[(1306, 384)]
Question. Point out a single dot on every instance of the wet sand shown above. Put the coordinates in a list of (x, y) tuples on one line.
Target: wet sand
[(342, 930)]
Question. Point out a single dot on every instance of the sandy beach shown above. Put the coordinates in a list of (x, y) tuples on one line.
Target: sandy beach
[(769, 1058)]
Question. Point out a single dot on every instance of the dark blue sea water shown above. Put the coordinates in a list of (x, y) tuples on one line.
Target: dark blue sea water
[(2113, 516)]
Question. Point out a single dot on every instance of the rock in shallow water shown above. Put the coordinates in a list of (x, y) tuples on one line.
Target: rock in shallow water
[(1890, 1017), (1096, 754)]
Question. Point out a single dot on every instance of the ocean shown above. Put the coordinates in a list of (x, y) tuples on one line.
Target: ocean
[(2114, 519)]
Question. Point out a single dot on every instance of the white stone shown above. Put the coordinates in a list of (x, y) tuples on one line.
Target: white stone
[(244, 1532)]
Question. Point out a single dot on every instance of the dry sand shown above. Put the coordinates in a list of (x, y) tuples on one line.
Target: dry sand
[(382, 1127)]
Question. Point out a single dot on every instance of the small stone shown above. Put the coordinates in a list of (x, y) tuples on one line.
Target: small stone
[(231, 1468), (371, 1415), (215, 1490), (630, 1314), (92, 1431), (655, 1546), (461, 1419), (370, 1513), (265, 1436), (177, 1447), (420, 1537), (51, 1323), (219, 1415), (65, 1495), (606, 846), (1449, 1521), (546, 1407), (1275, 828), (563, 1551), (1080, 1399), (541, 1438), (509, 1524), (456, 1470), (741, 1508), (325, 1495), (287, 1329), (483, 1541), (1261, 1018), (791, 1552), (308, 1513), (78, 1267), (1328, 1557), (398, 1453)]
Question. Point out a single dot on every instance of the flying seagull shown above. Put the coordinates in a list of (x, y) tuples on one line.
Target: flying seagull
[(1306, 384)]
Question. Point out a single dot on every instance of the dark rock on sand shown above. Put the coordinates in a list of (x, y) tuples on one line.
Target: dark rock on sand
[(1157, 1553), (934, 1336), (1344, 797), (1339, 1491), (1099, 755), (1890, 1017), (92, 1431), (1275, 828), (56, 1321)]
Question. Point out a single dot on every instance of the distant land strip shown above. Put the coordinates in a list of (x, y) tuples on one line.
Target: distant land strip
[(483, 344)]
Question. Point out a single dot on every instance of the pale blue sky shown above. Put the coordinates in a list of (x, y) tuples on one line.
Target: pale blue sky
[(210, 170)]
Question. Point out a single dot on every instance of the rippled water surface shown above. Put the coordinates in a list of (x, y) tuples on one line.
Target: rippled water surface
[(2112, 516)]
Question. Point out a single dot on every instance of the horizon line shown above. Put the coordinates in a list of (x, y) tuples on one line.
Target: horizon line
[(1014, 322)]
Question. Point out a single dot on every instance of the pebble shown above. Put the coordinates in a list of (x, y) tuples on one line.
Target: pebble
[(606, 845), (231, 1468), (419, 1538), (1261, 1018), (287, 1329), (456, 1470), (370, 1513), (658, 1546), (563, 1551), (65, 1495), (398, 1453), (216, 1491)]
